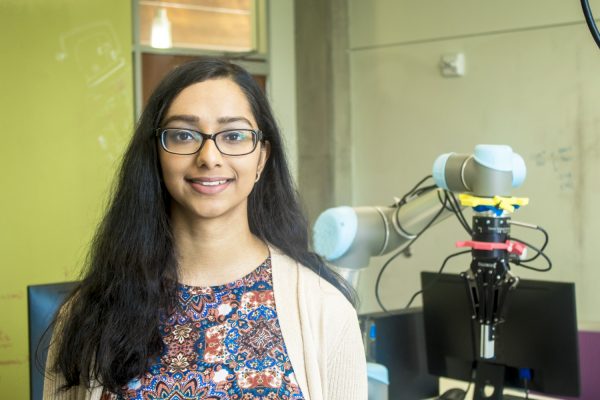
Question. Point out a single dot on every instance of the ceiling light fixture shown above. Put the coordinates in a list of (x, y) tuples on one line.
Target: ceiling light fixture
[(161, 30)]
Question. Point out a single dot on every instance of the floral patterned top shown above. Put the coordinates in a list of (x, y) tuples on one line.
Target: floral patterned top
[(224, 342)]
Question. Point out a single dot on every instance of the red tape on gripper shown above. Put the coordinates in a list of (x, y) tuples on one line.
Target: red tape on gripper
[(510, 246)]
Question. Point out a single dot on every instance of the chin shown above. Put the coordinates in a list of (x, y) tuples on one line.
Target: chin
[(212, 211), (210, 214), (197, 208)]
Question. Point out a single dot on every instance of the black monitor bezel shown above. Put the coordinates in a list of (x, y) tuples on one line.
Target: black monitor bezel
[(540, 315)]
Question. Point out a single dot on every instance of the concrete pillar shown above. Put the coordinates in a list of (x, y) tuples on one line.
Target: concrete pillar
[(322, 84)]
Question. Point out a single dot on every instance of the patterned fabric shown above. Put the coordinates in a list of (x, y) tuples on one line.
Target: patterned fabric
[(223, 343)]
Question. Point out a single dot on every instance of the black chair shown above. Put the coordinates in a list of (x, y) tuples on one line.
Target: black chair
[(43, 301)]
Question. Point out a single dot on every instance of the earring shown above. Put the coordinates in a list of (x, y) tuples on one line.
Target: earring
[(257, 177)]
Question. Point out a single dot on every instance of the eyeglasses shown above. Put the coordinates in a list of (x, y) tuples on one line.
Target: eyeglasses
[(234, 142)]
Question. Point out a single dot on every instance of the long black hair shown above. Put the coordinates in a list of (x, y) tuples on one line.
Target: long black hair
[(110, 329)]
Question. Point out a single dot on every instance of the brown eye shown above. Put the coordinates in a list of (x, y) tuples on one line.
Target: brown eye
[(233, 137), (181, 136)]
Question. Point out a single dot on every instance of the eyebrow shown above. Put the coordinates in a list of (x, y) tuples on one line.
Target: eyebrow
[(195, 120)]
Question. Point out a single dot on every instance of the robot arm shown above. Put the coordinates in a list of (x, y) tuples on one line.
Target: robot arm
[(348, 237)]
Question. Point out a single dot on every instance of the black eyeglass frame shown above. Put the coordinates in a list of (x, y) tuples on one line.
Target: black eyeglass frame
[(257, 135)]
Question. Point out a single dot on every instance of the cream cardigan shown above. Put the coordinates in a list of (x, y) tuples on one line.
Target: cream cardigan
[(320, 330)]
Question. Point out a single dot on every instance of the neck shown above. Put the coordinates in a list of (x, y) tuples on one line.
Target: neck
[(215, 251)]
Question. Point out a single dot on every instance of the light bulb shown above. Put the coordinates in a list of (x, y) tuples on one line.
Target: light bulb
[(161, 30)]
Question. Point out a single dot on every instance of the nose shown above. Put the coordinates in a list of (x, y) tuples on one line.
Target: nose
[(208, 155)]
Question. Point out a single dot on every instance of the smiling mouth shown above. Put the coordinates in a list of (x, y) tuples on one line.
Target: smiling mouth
[(211, 182)]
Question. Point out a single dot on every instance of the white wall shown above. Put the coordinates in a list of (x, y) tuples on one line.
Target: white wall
[(532, 82)]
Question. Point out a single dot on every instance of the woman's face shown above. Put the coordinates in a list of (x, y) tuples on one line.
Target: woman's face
[(209, 184)]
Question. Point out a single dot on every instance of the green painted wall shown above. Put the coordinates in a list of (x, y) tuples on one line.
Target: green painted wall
[(66, 112)]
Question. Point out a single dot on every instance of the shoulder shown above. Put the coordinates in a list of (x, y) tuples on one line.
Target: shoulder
[(317, 294), (318, 289), (323, 327)]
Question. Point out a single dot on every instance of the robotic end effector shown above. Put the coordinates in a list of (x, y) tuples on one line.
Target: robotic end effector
[(492, 171)]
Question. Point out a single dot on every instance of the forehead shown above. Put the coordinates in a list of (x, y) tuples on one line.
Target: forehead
[(212, 99)]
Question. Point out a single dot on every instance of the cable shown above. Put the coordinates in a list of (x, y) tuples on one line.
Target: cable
[(412, 191), (389, 260), (455, 209), (457, 205), (589, 18), (424, 189), (536, 227), (525, 374), (414, 296), (468, 388), (540, 252), (458, 212), (450, 199)]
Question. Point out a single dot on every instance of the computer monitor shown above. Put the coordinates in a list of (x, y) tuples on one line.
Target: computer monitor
[(43, 301), (400, 347), (539, 335)]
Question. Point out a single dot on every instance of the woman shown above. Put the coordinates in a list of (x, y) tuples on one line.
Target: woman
[(199, 282)]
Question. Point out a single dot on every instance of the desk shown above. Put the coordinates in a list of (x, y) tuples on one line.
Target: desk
[(445, 384)]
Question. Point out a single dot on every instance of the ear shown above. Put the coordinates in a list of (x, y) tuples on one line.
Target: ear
[(265, 152)]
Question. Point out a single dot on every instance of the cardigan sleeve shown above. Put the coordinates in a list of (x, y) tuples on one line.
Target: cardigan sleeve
[(346, 365)]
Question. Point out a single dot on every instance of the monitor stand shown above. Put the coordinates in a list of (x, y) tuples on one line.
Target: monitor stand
[(486, 375)]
